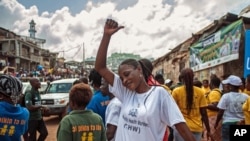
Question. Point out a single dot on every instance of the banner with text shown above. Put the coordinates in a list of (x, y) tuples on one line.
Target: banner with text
[(247, 54), (218, 48)]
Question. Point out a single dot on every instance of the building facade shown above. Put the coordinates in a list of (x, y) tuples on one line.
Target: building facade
[(22, 52), (209, 51)]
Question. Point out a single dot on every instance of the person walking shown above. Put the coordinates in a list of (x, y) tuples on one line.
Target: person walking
[(81, 124), (205, 86), (146, 110), (33, 104), (99, 102), (192, 103), (213, 98), (154, 81), (230, 106), (112, 113), (14, 118)]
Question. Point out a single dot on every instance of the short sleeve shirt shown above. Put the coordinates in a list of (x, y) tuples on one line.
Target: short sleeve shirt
[(144, 116), (232, 103), (33, 100), (193, 118)]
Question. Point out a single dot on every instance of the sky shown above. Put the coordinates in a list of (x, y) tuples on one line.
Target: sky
[(74, 28)]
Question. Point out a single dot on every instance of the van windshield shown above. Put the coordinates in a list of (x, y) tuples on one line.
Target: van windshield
[(59, 88)]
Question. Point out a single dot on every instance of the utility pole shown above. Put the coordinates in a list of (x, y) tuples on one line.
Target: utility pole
[(83, 59), (83, 55)]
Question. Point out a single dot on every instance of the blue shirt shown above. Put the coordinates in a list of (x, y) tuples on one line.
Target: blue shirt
[(98, 104), (13, 121)]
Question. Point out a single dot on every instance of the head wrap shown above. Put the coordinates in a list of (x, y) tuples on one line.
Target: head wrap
[(10, 86)]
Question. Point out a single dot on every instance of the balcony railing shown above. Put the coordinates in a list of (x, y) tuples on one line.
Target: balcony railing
[(35, 58)]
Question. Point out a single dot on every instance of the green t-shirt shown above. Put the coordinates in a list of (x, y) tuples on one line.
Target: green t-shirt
[(33, 100), (81, 125)]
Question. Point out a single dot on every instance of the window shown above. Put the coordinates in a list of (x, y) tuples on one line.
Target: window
[(59, 88)]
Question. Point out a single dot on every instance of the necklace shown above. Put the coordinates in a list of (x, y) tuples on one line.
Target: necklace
[(138, 98), (141, 98)]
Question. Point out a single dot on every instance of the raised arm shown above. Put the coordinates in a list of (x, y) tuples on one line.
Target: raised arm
[(110, 28)]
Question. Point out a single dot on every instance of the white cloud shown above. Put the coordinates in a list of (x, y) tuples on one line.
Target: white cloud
[(152, 27)]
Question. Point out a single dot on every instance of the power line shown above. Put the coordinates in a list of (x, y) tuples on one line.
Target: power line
[(78, 46)]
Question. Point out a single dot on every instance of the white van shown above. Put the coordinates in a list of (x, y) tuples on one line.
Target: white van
[(56, 96), (27, 87)]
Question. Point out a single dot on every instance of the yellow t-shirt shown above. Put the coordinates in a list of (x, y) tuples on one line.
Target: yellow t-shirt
[(167, 88), (246, 92), (246, 111), (193, 120), (206, 90), (212, 97)]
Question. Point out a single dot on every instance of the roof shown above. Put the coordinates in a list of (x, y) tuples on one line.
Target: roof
[(68, 80)]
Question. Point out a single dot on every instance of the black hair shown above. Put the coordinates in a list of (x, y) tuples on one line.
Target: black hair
[(131, 62), (76, 82), (95, 78), (84, 80), (197, 83), (187, 76), (145, 65), (147, 68), (243, 81), (215, 81), (159, 78)]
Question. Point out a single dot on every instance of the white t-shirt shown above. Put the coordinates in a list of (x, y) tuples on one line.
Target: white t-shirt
[(113, 112), (231, 103), (144, 116)]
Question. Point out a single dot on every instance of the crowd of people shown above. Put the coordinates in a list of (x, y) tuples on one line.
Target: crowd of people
[(130, 105)]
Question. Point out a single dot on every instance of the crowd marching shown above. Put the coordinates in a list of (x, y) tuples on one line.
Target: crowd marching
[(131, 105)]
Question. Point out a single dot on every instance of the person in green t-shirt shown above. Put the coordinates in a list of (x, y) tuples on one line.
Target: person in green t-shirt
[(81, 124), (33, 104)]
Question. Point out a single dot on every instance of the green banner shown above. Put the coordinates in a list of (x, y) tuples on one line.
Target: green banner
[(218, 48)]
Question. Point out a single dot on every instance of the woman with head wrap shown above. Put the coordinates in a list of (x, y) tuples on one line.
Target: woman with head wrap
[(13, 117)]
